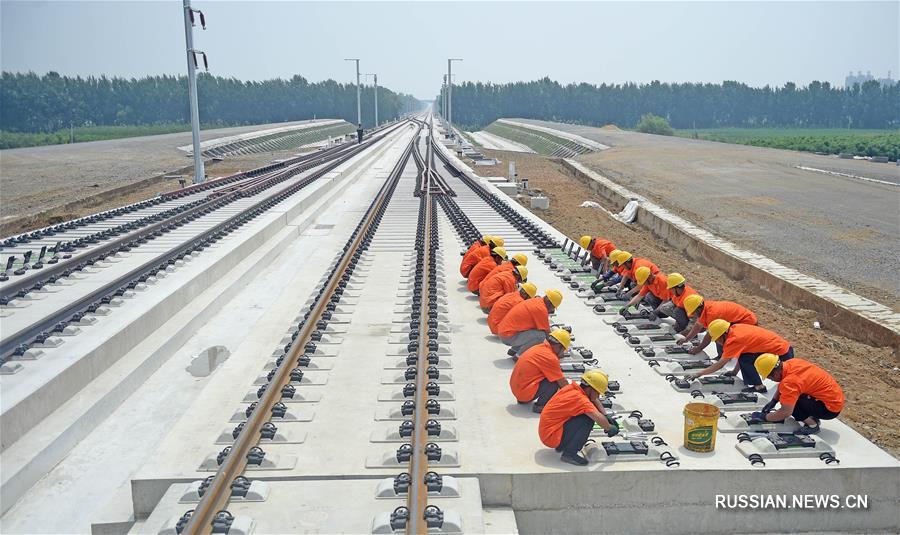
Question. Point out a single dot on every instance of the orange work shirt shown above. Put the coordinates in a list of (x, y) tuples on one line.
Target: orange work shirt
[(496, 287), (480, 271), (475, 244), (657, 287), (799, 376), (678, 300), (570, 401), (534, 365), (638, 262), (505, 265), (725, 310), (752, 339), (472, 257), (529, 314), (602, 248), (502, 307)]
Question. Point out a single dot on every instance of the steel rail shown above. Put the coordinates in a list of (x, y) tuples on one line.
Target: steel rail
[(418, 463), (218, 493), (9, 343)]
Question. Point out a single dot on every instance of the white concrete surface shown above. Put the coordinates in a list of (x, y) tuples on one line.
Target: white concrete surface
[(493, 141), (115, 448)]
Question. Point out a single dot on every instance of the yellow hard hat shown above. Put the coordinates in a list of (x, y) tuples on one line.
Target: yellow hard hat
[(486, 238), (624, 256), (675, 279), (497, 241), (562, 336), (555, 297), (584, 241), (717, 328), (641, 274), (691, 303), (764, 364), (614, 255), (597, 380), (520, 259), (499, 251), (530, 289), (523, 272)]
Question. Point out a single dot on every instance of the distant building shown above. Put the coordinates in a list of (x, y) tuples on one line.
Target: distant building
[(860, 78)]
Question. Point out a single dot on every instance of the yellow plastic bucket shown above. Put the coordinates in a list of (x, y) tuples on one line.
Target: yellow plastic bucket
[(700, 424)]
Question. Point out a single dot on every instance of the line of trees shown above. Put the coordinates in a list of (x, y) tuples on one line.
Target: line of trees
[(684, 105), (34, 103)]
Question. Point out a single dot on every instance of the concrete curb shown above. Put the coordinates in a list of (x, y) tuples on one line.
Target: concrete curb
[(842, 311)]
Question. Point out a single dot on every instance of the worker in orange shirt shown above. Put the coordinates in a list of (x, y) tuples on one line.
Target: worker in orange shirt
[(475, 255), (569, 417), (477, 243), (630, 264), (745, 343), (674, 307), (517, 259), (612, 276), (506, 303), (483, 267), (599, 250), (528, 322), (705, 312), (537, 374), (499, 285), (806, 392), (652, 289)]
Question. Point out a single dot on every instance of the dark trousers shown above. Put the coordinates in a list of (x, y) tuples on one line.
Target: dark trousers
[(575, 434), (748, 370), (545, 391), (807, 406)]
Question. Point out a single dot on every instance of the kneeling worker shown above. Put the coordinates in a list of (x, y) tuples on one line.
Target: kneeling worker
[(506, 303), (477, 253), (483, 267), (806, 392), (499, 285), (538, 375), (528, 323), (599, 250), (745, 343), (705, 312), (570, 415)]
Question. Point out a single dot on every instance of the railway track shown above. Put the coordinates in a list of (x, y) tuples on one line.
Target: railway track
[(194, 214)]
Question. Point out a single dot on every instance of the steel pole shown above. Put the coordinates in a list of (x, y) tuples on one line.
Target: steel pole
[(199, 172)]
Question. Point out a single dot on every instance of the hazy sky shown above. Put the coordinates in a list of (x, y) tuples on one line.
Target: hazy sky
[(407, 43)]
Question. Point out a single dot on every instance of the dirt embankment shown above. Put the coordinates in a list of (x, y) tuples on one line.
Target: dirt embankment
[(869, 376), (105, 199)]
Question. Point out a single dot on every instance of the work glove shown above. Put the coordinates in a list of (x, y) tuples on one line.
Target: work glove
[(757, 418), (612, 431), (767, 408), (620, 295), (731, 373), (680, 339), (691, 377)]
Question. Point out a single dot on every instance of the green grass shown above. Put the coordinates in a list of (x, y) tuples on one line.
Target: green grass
[(823, 140), (12, 140)]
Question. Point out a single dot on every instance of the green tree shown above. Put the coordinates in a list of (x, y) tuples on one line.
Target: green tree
[(654, 124)]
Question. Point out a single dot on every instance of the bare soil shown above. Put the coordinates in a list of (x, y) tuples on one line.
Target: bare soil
[(869, 376), (97, 199)]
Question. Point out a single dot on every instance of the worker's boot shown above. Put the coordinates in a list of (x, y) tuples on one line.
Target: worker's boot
[(511, 352), (573, 458)]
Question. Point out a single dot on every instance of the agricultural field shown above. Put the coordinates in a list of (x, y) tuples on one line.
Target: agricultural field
[(821, 140)]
